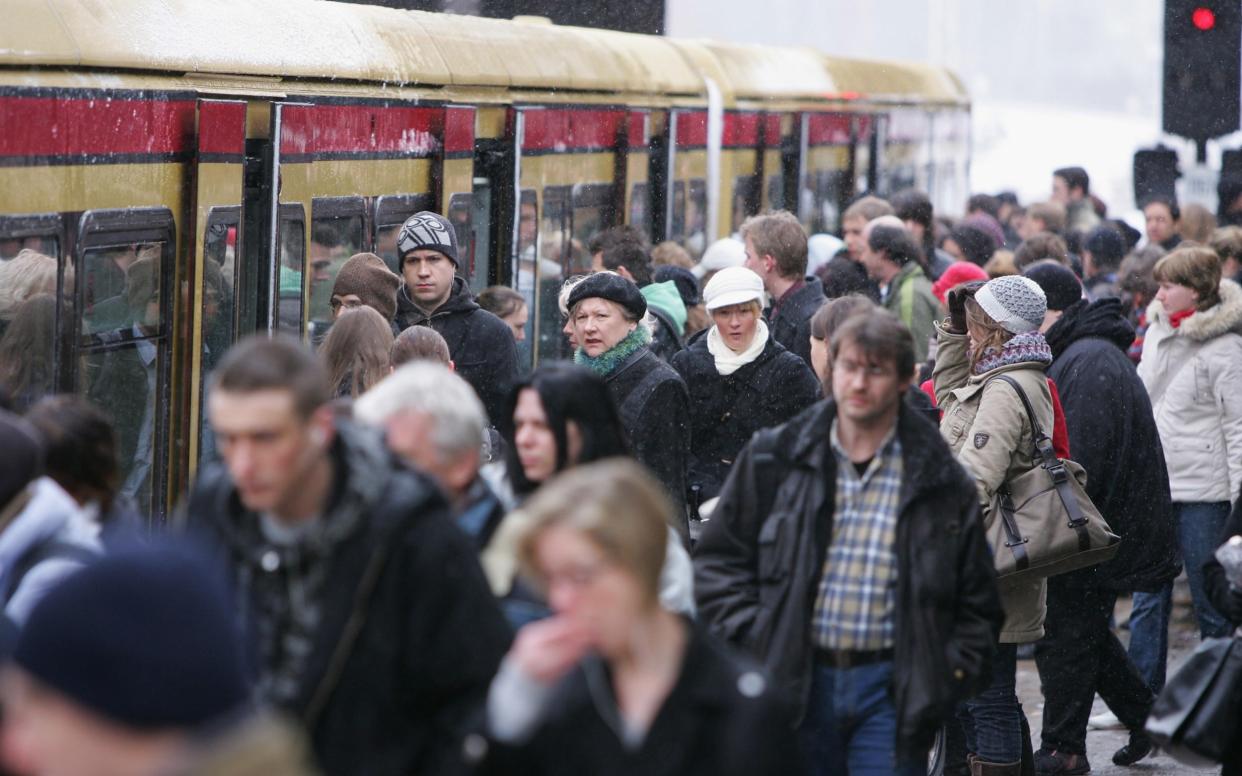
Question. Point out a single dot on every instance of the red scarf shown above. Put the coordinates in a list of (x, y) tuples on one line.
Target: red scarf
[(1175, 319)]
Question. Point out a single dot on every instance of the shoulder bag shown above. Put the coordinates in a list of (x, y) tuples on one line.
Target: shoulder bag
[(1044, 523), (1197, 716)]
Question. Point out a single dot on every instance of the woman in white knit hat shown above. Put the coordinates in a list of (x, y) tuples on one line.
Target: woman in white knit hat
[(993, 330), (740, 379)]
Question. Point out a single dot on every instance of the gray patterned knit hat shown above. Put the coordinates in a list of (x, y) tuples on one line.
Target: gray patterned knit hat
[(1015, 302), (428, 230)]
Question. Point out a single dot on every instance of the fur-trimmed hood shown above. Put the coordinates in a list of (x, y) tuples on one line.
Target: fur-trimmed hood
[(1223, 317)]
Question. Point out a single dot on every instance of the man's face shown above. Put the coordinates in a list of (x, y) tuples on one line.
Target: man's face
[(852, 231), (410, 434), (867, 390), (1060, 190), (268, 447), (429, 277), (1031, 226), (46, 734), (1160, 223), (760, 265), (874, 262), (342, 302)]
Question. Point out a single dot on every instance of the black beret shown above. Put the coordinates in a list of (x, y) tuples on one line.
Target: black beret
[(687, 283), (614, 288)]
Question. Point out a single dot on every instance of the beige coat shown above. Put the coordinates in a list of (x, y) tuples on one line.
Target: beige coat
[(988, 429), (1194, 377)]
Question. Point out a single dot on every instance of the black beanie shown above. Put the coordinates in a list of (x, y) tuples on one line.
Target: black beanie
[(614, 288), (143, 637), (21, 456), (687, 283), (428, 230), (1059, 283)]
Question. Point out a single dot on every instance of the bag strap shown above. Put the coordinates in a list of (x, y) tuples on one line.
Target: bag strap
[(1055, 468)]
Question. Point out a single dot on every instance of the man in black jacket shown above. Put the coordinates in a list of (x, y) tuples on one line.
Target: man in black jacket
[(1112, 434), (368, 617), (847, 554), (776, 251), (433, 294)]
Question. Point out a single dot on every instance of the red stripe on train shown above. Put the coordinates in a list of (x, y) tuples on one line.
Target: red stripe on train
[(568, 130), (222, 128), (312, 129), (49, 126)]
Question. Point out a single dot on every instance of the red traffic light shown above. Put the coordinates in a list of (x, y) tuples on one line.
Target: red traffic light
[(1203, 18)]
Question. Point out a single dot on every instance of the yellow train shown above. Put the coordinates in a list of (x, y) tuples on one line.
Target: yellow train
[(198, 171)]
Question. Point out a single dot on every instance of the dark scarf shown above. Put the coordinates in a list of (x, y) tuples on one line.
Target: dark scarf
[(610, 359)]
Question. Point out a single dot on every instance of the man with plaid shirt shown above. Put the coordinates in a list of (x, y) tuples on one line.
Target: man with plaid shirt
[(847, 553)]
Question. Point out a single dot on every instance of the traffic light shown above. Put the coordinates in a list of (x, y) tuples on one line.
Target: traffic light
[(1202, 67), (1155, 174)]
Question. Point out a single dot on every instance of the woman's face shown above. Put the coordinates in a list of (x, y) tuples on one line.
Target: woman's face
[(599, 325), (517, 322), (587, 587), (821, 363), (533, 438), (736, 324), (1177, 298)]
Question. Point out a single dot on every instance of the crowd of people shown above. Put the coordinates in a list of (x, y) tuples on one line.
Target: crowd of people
[(744, 530)]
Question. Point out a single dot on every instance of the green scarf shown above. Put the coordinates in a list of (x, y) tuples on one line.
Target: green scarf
[(610, 359)]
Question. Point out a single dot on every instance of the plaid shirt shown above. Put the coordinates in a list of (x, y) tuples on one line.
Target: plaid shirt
[(856, 599)]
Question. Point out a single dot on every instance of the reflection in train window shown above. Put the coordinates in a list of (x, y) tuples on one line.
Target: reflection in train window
[(123, 344), (336, 234), (27, 327), (640, 209), (696, 219), (218, 322), (594, 210), (776, 192), (39, 233), (292, 265), (556, 251)]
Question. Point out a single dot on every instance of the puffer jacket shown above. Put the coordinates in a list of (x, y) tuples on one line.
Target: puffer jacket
[(1194, 376), (986, 425)]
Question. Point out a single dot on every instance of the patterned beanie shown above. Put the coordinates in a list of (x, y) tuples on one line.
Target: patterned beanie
[(428, 230), (1015, 302)]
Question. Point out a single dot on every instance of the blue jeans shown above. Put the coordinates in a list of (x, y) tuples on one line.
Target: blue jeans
[(993, 718), (1149, 635), (1199, 526), (850, 727)]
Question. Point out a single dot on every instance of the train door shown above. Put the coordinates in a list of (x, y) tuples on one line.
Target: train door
[(210, 293), (825, 175)]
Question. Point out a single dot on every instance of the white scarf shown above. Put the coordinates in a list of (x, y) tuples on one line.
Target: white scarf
[(728, 362)]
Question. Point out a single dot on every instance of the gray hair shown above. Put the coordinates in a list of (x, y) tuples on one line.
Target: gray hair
[(436, 391)]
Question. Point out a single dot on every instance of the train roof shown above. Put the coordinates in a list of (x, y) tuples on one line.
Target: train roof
[(321, 40)]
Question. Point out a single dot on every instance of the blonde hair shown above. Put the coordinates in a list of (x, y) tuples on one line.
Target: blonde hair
[(27, 274), (616, 504), (669, 253), (781, 236), (990, 335), (1197, 223), (1195, 267)]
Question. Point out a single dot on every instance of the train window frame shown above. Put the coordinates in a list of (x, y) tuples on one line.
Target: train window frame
[(34, 225), (225, 215), (331, 209), (290, 212), (114, 227), (392, 210)]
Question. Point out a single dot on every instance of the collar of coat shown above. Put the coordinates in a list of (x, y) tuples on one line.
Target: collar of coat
[(1221, 318), (927, 462)]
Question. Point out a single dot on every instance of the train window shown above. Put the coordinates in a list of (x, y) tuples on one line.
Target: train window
[(677, 227), (292, 266), (594, 210), (828, 189), (125, 261), (390, 213), (640, 208), (28, 314), (217, 311), (39, 233), (524, 276), (745, 200), (465, 218), (556, 251), (336, 234), (696, 219), (776, 192)]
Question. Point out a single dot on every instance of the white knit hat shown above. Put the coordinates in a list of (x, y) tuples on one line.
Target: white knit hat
[(1015, 302), (725, 252), (732, 285)]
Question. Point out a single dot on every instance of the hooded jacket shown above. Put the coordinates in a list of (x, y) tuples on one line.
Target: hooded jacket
[(910, 298), (430, 635), (761, 557), (726, 410), (669, 314), (1113, 436), (1193, 375), (790, 324), (46, 541), (480, 344), (986, 426)]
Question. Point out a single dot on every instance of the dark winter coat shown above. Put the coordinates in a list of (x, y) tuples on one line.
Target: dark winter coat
[(431, 635), (758, 567), (480, 344), (666, 340), (720, 719), (1113, 435), (1226, 600), (655, 412), (791, 322), (726, 411)]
